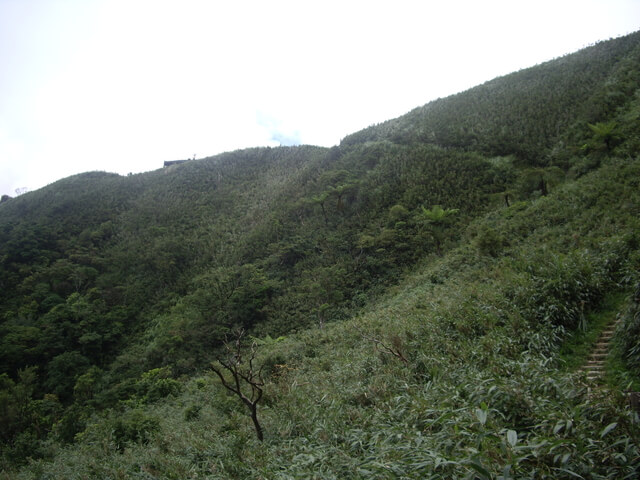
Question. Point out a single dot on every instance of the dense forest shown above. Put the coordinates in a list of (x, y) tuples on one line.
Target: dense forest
[(415, 302)]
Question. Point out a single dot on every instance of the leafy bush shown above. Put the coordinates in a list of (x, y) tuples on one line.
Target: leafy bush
[(192, 412), (134, 426), (156, 384), (628, 338)]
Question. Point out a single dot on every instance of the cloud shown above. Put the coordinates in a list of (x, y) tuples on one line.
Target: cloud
[(278, 130)]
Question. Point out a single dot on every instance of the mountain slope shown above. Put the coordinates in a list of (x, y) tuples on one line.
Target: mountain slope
[(421, 272), (525, 113)]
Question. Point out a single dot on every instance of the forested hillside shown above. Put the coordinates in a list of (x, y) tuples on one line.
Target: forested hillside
[(412, 303)]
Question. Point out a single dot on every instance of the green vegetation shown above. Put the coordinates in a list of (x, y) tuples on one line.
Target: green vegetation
[(418, 298), (576, 348)]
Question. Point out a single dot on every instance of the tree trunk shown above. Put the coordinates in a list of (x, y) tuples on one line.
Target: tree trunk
[(256, 424)]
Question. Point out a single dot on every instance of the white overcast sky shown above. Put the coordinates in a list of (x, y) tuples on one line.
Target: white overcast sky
[(122, 85)]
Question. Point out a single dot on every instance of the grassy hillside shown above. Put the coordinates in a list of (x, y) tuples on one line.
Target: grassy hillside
[(417, 298)]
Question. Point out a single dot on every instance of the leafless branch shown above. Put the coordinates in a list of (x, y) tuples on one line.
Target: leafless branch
[(242, 373), (394, 349)]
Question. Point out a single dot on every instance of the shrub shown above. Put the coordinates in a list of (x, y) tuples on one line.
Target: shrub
[(134, 427), (156, 384), (629, 337), (192, 412)]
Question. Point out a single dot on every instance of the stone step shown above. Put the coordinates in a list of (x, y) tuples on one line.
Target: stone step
[(595, 366)]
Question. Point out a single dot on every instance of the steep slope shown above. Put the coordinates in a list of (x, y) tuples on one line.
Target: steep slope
[(116, 289), (478, 389), (525, 113)]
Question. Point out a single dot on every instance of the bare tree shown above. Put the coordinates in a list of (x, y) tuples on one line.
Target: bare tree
[(393, 348), (246, 381)]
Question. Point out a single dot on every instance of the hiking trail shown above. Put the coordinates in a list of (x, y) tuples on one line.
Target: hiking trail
[(595, 366)]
